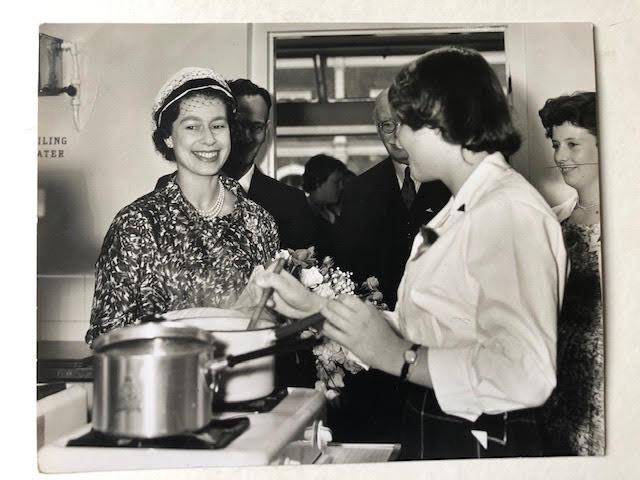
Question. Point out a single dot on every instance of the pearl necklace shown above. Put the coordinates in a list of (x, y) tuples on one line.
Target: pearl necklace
[(216, 208), (587, 207)]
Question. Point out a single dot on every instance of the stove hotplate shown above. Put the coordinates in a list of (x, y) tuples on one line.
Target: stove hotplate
[(217, 434), (258, 405)]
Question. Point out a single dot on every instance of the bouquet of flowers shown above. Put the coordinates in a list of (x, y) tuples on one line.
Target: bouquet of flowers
[(327, 280)]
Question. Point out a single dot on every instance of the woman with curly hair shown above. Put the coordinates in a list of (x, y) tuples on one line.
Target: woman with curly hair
[(573, 417)]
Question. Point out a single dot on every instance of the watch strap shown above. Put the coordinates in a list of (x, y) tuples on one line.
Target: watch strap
[(405, 367)]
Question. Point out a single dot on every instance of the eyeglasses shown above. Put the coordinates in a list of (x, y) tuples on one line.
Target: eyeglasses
[(253, 127), (257, 127), (388, 126)]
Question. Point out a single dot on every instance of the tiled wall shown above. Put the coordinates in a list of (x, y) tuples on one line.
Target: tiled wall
[(64, 305)]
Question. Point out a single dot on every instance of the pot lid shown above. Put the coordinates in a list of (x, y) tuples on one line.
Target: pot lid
[(160, 338)]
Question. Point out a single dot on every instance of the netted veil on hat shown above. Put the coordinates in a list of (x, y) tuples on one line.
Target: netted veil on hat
[(187, 80)]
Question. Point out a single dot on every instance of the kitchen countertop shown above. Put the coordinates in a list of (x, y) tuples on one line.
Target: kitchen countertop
[(64, 361), (261, 444), (271, 431)]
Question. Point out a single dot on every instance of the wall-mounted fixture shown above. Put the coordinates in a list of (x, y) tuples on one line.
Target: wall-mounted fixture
[(51, 79)]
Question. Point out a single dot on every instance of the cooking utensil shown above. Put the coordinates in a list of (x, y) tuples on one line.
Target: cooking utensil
[(232, 360), (266, 295), (255, 378), (280, 347), (150, 380), (311, 321), (158, 378)]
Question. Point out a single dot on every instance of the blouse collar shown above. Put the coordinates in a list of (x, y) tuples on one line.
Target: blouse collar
[(480, 180)]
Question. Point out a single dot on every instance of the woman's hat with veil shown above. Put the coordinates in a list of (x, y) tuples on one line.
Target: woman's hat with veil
[(185, 81)]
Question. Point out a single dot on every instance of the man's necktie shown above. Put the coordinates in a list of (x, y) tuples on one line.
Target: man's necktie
[(408, 190)]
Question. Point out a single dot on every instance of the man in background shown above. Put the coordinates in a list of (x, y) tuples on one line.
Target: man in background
[(286, 204), (382, 211)]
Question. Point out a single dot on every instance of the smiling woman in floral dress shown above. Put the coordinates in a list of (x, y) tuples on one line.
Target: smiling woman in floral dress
[(573, 417), (194, 242)]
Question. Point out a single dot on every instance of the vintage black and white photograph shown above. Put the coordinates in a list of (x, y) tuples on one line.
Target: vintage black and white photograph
[(294, 244)]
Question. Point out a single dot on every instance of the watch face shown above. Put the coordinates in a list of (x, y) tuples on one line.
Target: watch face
[(410, 356)]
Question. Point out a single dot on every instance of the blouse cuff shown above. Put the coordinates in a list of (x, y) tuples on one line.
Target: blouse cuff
[(451, 382)]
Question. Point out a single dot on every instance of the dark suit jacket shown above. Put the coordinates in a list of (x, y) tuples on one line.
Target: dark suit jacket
[(375, 230), (287, 205), (297, 228)]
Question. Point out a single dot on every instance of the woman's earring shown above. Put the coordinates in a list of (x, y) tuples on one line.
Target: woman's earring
[(169, 142)]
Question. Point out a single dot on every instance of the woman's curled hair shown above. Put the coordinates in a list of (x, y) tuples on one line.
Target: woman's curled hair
[(579, 109)]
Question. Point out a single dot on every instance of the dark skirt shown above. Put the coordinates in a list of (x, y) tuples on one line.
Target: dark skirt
[(369, 409), (430, 434)]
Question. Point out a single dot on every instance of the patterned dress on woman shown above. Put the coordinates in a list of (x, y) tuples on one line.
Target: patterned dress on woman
[(161, 255), (573, 417)]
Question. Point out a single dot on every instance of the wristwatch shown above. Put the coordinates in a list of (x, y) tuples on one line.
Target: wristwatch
[(410, 357)]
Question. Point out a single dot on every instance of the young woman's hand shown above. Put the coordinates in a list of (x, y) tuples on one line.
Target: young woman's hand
[(290, 297), (364, 330)]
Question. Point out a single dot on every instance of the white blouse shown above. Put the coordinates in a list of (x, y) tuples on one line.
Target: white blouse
[(485, 296)]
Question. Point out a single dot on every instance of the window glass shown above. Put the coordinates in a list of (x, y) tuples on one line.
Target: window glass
[(314, 79)]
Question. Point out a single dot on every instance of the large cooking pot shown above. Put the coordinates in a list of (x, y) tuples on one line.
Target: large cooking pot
[(159, 379), (153, 380), (253, 379)]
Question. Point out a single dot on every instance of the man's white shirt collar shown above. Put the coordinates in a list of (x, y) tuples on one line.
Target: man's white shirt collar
[(245, 180)]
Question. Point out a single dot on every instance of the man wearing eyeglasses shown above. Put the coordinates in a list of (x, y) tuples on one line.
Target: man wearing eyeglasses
[(254, 104), (382, 211), (286, 204)]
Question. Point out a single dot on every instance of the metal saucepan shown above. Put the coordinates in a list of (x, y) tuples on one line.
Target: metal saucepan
[(252, 379), (158, 379)]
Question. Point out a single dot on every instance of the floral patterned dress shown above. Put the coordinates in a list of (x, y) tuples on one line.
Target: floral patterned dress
[(160, 255), (573, 417)]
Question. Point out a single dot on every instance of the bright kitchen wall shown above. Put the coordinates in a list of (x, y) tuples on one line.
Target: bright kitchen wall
[(110, 161), (547, 60)]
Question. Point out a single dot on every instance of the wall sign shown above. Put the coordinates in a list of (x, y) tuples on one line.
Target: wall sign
[(51, 147)]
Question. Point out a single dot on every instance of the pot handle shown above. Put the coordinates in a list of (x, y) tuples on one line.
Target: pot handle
[(214, 367), (276, 349), (315, 320)]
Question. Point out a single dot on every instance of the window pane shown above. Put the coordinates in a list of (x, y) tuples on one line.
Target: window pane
[(337, 127)]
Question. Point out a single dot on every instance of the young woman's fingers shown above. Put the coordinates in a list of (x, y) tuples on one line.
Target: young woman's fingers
[(341, 318), (352, 302), (335, 334)]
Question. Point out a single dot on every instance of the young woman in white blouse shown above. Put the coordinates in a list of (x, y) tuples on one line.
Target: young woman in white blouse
[(474, 329)]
